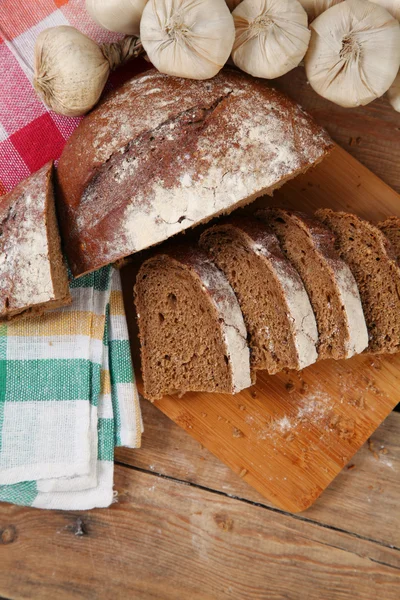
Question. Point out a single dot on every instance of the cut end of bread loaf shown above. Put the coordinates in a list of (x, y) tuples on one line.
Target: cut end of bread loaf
[(280, 322), (33, 276), (192, 333), (372, 261), (332, 289), (162, 154)]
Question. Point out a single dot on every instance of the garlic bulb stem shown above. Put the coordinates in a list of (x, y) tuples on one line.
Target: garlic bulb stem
[(71, 70), (120, 52), (272, 36), (187, 38)]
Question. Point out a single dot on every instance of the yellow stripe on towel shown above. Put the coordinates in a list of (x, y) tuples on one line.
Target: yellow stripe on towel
[(116, 303), (105, 382), (60, 323)]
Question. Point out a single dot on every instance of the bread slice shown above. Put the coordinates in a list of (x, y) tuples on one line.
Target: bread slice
[(33, 277), (310, 246), (162, 154), (391, 229), (192, 333), (370, 257), (282, 331)]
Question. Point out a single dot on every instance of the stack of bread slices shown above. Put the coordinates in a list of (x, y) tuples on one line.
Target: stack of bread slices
[(276, 290)]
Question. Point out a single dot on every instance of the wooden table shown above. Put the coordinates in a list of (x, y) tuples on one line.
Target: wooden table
[(185, 526)]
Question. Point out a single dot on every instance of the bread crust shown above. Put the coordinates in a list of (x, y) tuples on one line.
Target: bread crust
[(161, 154), (33, 277)]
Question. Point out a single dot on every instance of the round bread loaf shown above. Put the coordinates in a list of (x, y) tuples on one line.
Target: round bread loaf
[(161, 154)]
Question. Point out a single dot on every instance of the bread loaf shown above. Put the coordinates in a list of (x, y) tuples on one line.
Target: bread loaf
[(162, 154), (33, 277), (192, 333)]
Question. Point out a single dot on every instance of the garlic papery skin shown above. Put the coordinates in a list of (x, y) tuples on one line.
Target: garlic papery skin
[(394, 93), (71, 70), (314, 8), (187, 38), (121, 16), (392, 6), (354, 53), (272, 36)]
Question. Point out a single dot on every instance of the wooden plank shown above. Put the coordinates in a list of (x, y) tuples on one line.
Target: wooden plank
[(363, 499), (166, 540), (342, 183), (290, 443), (370, 133)]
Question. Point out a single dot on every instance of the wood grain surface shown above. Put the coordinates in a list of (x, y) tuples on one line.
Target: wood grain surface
[(187, 526), (290, 435), (207, 546), (363, 499)]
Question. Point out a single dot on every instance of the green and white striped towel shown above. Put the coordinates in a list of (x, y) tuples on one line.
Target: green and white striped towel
[(67, 398)]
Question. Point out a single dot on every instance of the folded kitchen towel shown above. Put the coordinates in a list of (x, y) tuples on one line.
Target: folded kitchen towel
[(67, 398)]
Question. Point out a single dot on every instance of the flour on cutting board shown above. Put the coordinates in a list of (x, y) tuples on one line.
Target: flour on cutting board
[(316, 407)]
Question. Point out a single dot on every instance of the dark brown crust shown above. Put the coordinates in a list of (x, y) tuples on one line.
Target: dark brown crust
[(381, 238), (322, 237), (40, 182), (260, 234), (140, 111)]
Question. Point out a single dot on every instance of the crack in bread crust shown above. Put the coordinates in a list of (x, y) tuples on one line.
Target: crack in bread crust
[(161, 148)]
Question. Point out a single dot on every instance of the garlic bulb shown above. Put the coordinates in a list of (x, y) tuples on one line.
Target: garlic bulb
[(71, 70), (392, 6), (316, 7), (271, 36), (121, 16), (394, 93), (354, 53), (187, 38)]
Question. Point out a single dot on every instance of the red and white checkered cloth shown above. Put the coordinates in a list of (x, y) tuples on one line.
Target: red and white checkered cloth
[(30, 134)]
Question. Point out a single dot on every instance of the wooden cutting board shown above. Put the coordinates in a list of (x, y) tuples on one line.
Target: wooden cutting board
[(290, 434)]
